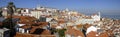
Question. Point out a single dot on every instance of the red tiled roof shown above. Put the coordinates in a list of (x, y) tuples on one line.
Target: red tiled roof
[(91, 34), (61, 21), (74, 32), (31, 35), (86, 26), (110, 32), (23, 17), (46, 32), (79, 26), (42, 23), (104, 34)]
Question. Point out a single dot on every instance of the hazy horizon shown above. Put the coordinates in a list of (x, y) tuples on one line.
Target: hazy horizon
[(108, 7)]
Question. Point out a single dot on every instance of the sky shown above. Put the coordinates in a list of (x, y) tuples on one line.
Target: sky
[(107, 7)]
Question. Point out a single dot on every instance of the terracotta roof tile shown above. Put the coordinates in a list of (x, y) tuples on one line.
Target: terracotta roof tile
[(31, 35), (74, 32), (92, 34), (104, 34), (86, 26), (79, 26)]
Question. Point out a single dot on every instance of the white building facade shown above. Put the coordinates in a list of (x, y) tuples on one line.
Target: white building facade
[(36, 14)]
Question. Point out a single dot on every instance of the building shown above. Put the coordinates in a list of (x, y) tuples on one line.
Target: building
[(4, 13), (71, 32), (85, 21), (89, 19), (96, 17), (25, 12), (36, 13)]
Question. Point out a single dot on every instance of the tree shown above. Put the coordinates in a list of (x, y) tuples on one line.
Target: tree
[(11, 8), (7, 23), (61, 32)]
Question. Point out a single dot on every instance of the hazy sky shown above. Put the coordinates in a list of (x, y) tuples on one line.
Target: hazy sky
[(109, 7)]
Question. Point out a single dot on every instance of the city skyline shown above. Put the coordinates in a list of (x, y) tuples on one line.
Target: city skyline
[(59, 18), (84, 6)]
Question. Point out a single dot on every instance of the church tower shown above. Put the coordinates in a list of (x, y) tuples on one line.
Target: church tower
[(99, 15)]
